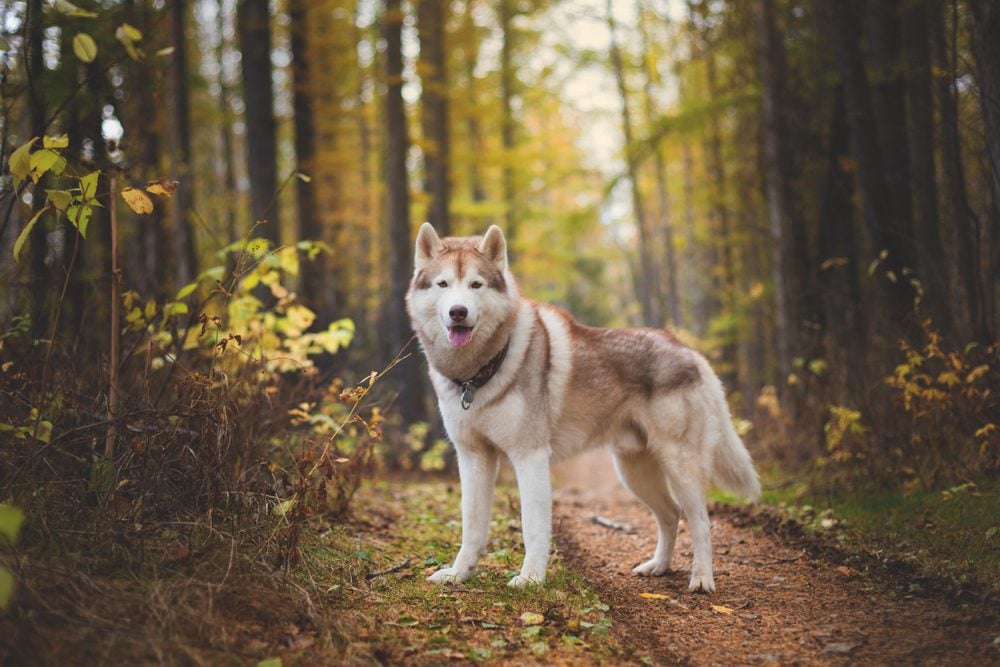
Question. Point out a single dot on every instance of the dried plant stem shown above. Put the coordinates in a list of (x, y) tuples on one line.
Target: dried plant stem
[(116, 276)]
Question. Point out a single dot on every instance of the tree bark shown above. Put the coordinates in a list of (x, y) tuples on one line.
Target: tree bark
[(254, 27), (411, 401), (648, 282), (986, 51), (433, 15), (777, 180), (886, 234), (843, 317), (314, 286), (956, 201), (507, 128), (662, 194), (185, 257), (931, 264)]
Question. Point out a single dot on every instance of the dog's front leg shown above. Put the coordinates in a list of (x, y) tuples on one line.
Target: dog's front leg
[(535, 487), (477, 469)]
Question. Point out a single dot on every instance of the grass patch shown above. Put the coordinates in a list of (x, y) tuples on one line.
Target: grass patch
[(399, 617), (952, 532)]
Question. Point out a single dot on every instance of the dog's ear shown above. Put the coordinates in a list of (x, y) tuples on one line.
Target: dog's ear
[(494, 246), (428, 244)]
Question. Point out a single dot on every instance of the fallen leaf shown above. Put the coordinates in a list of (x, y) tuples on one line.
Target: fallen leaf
[(847, 571), (725, 611), (654, 596), (531, 618)]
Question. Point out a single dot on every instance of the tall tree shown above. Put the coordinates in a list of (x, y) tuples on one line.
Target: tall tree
[(505, 10), (254, 27), (888, 236), (777, 179), (986, 50), (411, 399), (662, 194), (956, 198), (647, 282), (185, 256), (431, 21), (34, 37), (930, 257), (313, 273)]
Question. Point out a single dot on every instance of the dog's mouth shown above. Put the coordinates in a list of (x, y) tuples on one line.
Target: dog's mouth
[(459, 336)]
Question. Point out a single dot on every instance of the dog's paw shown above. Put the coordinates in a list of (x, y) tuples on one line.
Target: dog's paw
[(701, 582), (652, 568), (449, 575), (522, 580)]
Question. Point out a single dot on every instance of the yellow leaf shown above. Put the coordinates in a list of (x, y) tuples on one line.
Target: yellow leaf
[(654, 596), (62, 141), (976, 373), (531, 618), (84, 47), (69, 9), (137, 200), (725, 611), (162, 188), (948, 379), (20, 161)]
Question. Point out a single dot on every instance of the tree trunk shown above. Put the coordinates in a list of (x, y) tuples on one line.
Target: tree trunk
[(433, 15), (411, 400), (185, 257), (986, 50), (843, 317), (663, 196), (475, 134), (34, 38), (886, 234), (956, 201), (226, 130), (648, 282), (888, 96), (255, 46), (931, 265), (777, 178), (506, 15), (314, 286), (143, 122)]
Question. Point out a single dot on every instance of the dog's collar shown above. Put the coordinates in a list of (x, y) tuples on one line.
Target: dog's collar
[(482, 376)]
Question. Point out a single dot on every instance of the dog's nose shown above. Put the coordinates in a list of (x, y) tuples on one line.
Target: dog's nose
[(458, 313)]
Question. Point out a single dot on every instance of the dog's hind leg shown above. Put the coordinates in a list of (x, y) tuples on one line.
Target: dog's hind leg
[(690, 496), (643, 475), (477, 469)]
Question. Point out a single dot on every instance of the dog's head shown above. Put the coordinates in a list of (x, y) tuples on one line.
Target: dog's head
[(462, 290)]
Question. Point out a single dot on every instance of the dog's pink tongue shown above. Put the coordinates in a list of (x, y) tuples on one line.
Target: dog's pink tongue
[(459, 336)]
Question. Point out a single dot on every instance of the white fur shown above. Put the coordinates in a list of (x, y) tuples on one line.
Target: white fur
[(554, 395)]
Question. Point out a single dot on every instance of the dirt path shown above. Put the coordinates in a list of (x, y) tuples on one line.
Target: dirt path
[(775, 604)]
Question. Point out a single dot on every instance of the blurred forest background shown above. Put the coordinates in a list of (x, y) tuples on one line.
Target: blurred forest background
[(207, 210)]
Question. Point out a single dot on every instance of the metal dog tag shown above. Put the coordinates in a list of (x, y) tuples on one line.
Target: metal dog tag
[(467, 395)]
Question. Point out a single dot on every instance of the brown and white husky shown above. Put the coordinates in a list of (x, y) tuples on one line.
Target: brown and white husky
[(525, 379)]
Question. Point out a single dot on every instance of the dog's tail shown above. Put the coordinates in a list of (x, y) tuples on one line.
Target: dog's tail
[(731, 462), (733, 466)]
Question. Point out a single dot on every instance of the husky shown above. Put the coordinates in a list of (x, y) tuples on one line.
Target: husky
[(524, 379)]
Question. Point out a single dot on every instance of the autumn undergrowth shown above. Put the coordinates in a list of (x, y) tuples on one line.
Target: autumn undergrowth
[(149, 529), (950, 533), (387, 612)]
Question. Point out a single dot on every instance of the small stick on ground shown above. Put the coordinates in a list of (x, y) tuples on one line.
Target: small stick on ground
[(614, 525), (394, 568)]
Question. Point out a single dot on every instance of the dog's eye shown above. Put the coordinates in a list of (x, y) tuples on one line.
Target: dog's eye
[(476, 285), (442, 283)]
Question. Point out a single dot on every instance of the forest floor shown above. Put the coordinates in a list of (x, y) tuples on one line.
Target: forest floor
[(783, 597), (359, 595)]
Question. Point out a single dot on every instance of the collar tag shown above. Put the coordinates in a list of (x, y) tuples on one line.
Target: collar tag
[(467, 395)]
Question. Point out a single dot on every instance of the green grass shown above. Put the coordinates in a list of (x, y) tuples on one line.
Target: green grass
[(952, 532), (400, 617)]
